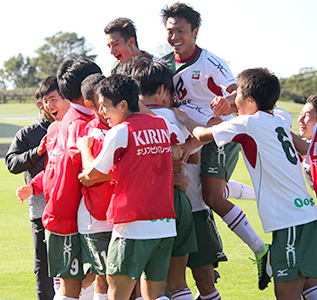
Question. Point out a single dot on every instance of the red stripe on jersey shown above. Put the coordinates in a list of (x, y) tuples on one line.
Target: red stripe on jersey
[(214, 88), (249, 147)]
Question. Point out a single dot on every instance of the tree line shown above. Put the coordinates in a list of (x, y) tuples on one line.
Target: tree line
[(25, 73)]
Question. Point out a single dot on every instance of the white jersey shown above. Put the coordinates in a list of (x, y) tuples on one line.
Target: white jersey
[(282, 198), (193, 190), (170, 116), (200, 79)]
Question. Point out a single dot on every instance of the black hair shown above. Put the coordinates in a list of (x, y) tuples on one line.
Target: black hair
[(88, 86), (150, 75), (125, 68), (72, 72), (260, 84), (125, 27), (181, 10), (47, 85), (118, 87)]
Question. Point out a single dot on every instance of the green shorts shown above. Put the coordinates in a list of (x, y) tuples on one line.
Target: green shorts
[(219, 162), (185, 241), (149, 258), (94, 252), (208, 240), (294, 249), (64, 256)]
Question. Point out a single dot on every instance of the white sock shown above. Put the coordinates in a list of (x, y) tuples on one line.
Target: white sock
[(98, 296), (213, 296), (239, 224), (184, 294), (311, 293), (161, 298), (238, 190), (141, 298), (87, 293), (57, 284), (67, 298)]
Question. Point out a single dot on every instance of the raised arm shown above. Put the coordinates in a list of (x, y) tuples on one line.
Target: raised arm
[(202, 133)]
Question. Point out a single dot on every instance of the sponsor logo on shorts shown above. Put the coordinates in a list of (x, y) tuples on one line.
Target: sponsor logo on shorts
[(112, 266), (281, 273), (212, 170), (220, 254)]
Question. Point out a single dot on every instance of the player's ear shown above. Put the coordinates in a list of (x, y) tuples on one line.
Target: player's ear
[(131, 42), (195, 32), (89, 104), (123, 105), (39, 104)]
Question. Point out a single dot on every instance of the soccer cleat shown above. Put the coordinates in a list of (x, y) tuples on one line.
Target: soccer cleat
[(264, 267)]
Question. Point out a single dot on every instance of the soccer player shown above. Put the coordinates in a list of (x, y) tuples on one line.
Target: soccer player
[(154, 80), (26, 154), (94, 231), (60, 214), (285, 206), (141, 209), (122, 41), (198, 77)]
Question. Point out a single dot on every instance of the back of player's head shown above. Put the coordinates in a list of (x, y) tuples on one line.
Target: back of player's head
[(88, 86), (260, 84), (47, 85), (150, 75), (312, 99), (181, 10), (125, 68), (72, 72), (125, 27), (118, 87)]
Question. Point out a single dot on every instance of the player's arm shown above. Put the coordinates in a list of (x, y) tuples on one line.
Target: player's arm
[(300, 144), (225, 105), (84, 144), (202, 133)]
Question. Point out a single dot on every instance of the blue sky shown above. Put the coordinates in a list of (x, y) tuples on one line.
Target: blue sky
[(279, 35)]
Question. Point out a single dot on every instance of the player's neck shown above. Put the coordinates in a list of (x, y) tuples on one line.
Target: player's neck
[(149, 100)]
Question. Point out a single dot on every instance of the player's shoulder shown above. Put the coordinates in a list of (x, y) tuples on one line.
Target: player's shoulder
[(283, 114)]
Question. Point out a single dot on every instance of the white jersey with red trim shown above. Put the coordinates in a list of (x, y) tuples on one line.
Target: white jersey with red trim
[(269, 153), (199, 79)]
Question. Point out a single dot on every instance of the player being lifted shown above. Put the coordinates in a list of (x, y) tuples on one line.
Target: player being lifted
[(198, 77)]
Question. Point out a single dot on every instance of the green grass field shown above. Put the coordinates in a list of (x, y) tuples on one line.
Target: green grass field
[(238, 275)]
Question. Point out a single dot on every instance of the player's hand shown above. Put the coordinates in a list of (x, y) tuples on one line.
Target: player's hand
[(42, 147), (178, 166), (180, 114), (181, 181), (220, 106), (24, 192), (84, 142), (85, 180), (177, 152), (188, 147)]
